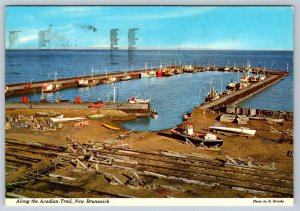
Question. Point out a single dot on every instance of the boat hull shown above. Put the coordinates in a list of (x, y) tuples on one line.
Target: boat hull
[(197, 141)]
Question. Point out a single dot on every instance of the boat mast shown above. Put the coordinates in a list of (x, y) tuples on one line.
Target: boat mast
[(114, 92), (55, 76), (204, 115), (221, 84)]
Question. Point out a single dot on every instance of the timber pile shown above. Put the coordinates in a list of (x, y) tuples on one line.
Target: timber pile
[(32, 122)]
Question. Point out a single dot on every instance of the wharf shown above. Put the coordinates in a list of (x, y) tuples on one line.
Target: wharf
[(141, 110), (240, 95), (19, 89)]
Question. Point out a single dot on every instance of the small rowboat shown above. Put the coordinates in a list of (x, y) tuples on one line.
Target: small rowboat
[(274, 121), (110, 127), (83, 123), (96, 116), (66, 119)]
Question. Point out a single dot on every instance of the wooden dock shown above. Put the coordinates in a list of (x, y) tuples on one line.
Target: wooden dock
[(35, 87)]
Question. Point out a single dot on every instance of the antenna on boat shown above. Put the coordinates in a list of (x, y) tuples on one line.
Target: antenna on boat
[(287, 67)]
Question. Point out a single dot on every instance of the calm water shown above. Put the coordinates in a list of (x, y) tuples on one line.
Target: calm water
[(171, 96)]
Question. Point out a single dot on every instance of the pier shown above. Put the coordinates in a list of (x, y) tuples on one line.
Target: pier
[(240, 95), (35, 87), (139, 110)]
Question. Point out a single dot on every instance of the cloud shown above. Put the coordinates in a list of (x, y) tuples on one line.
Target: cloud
[(72, 11), (185, 12), (220, 44), (27, 38)]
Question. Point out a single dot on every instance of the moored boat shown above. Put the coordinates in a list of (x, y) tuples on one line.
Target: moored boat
[(111, 80), (51, 87), (154, 114), (199, 139), (188, 69), (126, 77), (212, 95), (133, 100)]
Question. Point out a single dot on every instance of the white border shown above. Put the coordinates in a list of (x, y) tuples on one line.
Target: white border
[(170, 202), (152, 202)]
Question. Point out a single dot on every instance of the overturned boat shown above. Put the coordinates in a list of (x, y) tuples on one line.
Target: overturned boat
[(66, 119), (240, 131), (199, 139)]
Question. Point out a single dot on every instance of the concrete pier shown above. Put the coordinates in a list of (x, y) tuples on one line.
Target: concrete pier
[(240, 95), (140, 110)]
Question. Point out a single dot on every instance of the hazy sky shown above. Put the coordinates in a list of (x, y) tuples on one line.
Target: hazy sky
[(159, 26)]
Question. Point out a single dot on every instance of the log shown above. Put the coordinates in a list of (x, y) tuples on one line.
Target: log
[(154, 174), (231, 160), (13, 195), (63, 177), (189, 142), (79, 163)]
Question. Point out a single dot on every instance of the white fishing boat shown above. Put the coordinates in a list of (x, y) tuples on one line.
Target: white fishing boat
[(148, 74), (82, 82), (231, 85), (52, 87), (188, 69), (241, 131), (66, 119), (126, 77), (133, 100)]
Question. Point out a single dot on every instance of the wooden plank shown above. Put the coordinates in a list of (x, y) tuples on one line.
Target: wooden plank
[(63, 177)]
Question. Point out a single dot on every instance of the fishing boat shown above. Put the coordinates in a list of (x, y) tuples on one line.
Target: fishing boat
[(178, 71), (52, 87), (66, 119), (241, 131), (212, 95), (82, 82), (111, 80), (231, 85), (110, 127), (254, 78), (186, 132), (126, 77), (168, 72), (133, 100), (96, 116), (188, 69), (154, 114), (148, 74)]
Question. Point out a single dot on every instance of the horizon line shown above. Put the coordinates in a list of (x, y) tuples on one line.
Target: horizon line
[(148, 48)]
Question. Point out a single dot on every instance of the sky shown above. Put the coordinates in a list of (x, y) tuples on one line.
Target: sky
[(161, 27)]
